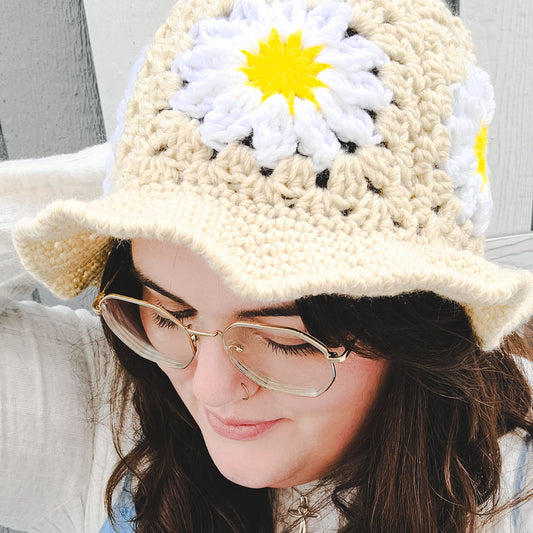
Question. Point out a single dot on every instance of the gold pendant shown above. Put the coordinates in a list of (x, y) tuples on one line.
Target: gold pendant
[(303, 513)]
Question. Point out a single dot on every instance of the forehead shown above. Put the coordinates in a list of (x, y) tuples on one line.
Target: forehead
[(181, 272)]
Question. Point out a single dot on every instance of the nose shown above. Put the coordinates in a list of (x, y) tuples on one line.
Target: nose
[(216, 380)]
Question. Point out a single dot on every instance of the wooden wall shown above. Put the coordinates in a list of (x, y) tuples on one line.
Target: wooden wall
[(50, 101), (503, 34)]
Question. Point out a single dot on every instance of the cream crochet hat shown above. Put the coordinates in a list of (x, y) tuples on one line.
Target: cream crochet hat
[(301, 147)]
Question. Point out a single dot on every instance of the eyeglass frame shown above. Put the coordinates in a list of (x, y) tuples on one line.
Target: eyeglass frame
[(194, 337)]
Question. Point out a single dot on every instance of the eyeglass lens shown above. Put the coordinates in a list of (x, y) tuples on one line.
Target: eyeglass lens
[(273, 358)]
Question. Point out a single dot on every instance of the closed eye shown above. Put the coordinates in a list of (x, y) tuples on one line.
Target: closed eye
[(163, 322), (304, 349)]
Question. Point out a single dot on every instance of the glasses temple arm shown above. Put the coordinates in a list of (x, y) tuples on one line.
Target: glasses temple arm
[(335, 358), (101, 294)]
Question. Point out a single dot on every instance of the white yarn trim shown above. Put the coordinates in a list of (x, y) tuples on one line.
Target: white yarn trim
[(231, 109), (473, 108)]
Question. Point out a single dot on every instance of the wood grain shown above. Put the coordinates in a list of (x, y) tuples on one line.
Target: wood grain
[(454, 6), (50, 101), (3, 148), (502, 32), (514, 250), (119, 30)]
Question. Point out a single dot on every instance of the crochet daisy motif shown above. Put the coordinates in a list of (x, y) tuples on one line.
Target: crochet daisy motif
[(473, 109), (283, 79)]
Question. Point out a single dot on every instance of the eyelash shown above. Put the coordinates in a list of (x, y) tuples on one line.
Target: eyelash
[(163, 322), (302, 350)]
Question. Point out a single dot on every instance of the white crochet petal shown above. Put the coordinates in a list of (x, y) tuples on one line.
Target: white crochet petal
[(468, 195), (462, 167), (193, 65), (229, 120), (354, 54), (197, 98), (252, 10), (295, 10), (485, 88), (475, 99), (326, 23), (462, 164), (483, 211), (316, 140), (473, 109), (289, 17), (205, 30), (274, 135), (350, 124), (213, 32), (362, 89), (463, 134), (358, 44)]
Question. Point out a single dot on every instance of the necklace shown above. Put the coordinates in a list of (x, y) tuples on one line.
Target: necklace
[(303, 512)]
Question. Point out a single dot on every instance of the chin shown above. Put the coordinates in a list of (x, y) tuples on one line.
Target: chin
[(249, 479), (246, 470), (258, 468), (256, 479)]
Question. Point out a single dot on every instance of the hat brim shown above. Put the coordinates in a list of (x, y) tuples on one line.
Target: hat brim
[(268, 258)]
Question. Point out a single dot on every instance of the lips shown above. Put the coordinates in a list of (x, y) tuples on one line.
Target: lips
[(236, 429)]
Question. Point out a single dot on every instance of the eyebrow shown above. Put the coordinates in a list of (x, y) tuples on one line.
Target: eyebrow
[(288, 309), (147, 282)]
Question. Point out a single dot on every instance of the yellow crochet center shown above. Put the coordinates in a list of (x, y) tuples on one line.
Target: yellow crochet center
[(285, 68), (480, 150)]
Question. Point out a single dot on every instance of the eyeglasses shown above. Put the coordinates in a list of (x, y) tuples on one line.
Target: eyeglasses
[(275, 357)]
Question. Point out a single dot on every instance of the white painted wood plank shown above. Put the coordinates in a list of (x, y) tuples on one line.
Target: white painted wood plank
[(119, 30), (49, 99), (502, 32), (514, 250), (3, 152)]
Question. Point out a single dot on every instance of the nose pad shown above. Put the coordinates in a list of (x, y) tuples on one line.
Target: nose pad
[(194, 339), (217, 380), (237, 347)]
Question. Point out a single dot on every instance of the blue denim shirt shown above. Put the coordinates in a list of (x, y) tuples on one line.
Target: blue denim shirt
[(124, 511), (520, 483)]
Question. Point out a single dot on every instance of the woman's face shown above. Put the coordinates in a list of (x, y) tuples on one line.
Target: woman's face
[(272, 439)]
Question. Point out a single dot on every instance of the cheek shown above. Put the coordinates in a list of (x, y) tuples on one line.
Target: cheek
[(345, 407), (361, 378), (181, 380), (361, 384)]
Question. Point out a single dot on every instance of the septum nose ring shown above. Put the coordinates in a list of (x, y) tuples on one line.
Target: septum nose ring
[(194, 337), (247, 397)]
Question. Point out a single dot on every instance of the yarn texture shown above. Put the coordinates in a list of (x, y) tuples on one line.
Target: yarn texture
[(302, 147)]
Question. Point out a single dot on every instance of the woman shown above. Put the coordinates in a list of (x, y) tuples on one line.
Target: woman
[(288, 255)]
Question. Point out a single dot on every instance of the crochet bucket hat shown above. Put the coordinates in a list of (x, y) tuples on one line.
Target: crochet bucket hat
[(301, 147)]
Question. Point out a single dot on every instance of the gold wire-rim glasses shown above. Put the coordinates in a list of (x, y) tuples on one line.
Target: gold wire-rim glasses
[(126, 336)]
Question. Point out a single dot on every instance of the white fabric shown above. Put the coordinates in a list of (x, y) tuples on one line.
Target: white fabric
[(56, 452), (28, 185), (53, 459), (53, 463)]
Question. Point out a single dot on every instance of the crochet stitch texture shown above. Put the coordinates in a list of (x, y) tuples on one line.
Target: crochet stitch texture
[(302, 148)]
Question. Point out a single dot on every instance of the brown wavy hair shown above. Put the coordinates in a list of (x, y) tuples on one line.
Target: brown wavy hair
[(426, 461)]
